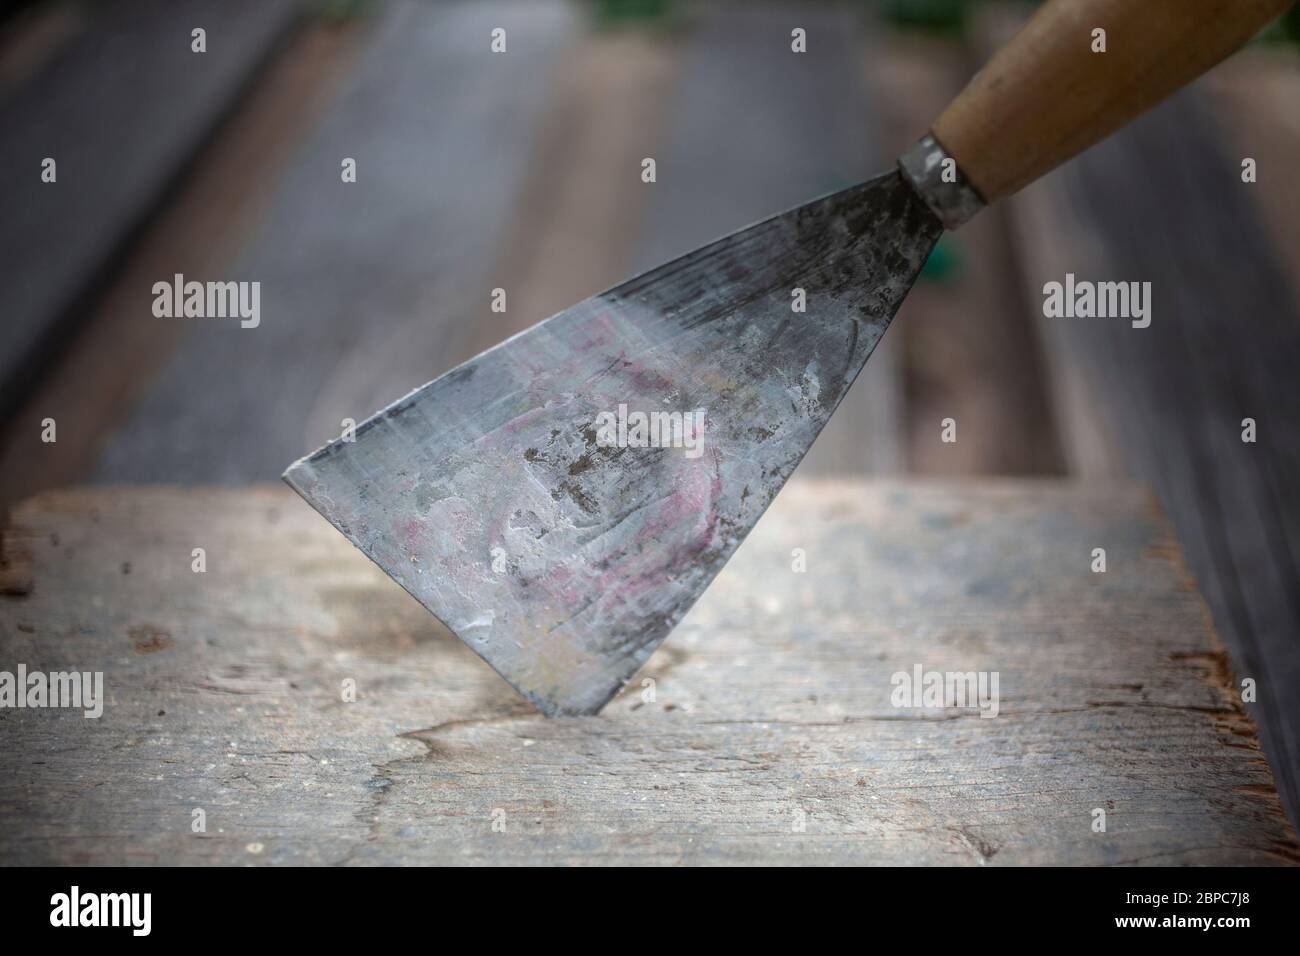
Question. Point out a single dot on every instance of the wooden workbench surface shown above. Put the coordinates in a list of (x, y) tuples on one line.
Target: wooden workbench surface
[(771, 736)]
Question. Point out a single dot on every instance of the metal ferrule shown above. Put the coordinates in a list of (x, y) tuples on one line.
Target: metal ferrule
[(923, 166)]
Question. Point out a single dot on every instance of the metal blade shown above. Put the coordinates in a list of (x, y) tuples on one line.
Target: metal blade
[(493, 495)]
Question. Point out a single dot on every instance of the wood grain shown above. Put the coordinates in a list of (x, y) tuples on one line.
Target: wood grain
[(122, 107), (1046, 96), (373, 285), (1162, 201), (772, 697), (101, 371)]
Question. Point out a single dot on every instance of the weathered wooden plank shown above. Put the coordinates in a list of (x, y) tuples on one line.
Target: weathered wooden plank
[(581, 202), (1162, 202), (772, 700), (368, 289), (121, 109), (96, 379), (98, 376)]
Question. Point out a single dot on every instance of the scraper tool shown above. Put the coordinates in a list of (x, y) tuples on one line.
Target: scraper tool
[(563, 552)]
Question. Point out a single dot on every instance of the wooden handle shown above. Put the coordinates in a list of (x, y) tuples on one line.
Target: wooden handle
[(1046, 95)]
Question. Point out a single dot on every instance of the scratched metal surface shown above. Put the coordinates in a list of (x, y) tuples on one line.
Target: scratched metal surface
[(606, 548)]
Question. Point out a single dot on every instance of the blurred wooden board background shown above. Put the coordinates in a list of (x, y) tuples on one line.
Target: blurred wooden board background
[(1163, 201), (522, 171), (122, 108), (771, 706)]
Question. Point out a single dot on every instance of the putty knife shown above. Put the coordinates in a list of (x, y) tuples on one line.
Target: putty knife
[(531, 500)]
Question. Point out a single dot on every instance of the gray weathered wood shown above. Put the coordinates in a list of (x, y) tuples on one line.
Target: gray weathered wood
[(772, 698), (122, 108), (369, 288), (102, 371), (579, 207), (1163, 202)]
